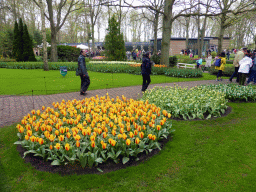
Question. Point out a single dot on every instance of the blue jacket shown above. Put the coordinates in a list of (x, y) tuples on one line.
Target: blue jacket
[(81, 65), (146, 66)]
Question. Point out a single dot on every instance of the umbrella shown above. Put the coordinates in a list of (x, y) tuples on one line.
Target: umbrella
[(81, 46)]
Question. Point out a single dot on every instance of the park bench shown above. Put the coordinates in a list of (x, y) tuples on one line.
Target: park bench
[(186, 65)]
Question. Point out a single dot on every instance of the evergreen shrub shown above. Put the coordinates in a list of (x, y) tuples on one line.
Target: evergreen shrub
[(155, 58), (173, 60), (66, 53)]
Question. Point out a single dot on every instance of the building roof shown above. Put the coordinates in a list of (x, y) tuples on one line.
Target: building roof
[(183, 39)]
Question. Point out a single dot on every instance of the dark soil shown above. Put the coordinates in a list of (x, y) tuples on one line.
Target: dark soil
[(39, 164)]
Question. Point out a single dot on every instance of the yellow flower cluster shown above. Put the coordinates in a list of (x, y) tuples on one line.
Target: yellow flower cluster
[(100, 121)]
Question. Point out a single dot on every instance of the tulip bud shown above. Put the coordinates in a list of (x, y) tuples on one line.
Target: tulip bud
[(77, 144)]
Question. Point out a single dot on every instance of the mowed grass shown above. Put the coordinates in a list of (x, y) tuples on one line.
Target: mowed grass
[(22, 81), (205, 155)]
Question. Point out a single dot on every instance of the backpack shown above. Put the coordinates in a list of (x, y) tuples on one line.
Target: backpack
[(217, 63)]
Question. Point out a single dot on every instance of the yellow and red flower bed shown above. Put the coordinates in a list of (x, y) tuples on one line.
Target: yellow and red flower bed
[(93, 130)]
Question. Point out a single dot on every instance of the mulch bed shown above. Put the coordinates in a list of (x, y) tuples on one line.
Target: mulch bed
[(39, 164)]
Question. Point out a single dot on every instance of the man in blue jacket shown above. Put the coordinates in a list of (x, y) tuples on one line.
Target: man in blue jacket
[(85, 80)]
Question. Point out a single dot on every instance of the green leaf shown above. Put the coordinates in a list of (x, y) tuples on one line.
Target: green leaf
[(83, 160), (27, 152), (99, 170), (55, 162), (103, 155), (90, 160), (40, 155), (18, 143), (209, 116), (125, 160), (158, 145), (118, 153), (67, 158), (99, 160), (19, 135)]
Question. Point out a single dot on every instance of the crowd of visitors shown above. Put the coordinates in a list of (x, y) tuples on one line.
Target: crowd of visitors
[(244, 63)]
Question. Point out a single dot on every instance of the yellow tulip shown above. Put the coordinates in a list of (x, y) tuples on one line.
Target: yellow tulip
[(33, 138), (141, 134), (68, 135), (104, 145), (77, 137), (61, 138), (67, 147), (93, 144), (51, 138), (137, 140), (40, 141), (128, 142), (27, 137), (57, 146)]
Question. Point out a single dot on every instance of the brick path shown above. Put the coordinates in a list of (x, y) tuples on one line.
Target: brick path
[(14, 108)]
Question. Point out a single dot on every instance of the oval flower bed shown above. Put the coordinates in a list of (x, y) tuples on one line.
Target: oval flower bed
[(184, 103), (93, 130)]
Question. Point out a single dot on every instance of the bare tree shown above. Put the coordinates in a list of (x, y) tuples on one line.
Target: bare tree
[(45, 59), (229, 12), (57, 19)]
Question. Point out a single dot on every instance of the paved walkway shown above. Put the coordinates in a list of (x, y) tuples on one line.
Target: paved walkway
[(14, 108)]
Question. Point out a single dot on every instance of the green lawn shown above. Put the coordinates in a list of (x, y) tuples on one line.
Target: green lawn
[(206, 155), (22, 81)]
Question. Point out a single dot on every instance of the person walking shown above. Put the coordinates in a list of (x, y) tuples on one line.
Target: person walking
[(244, 67), (239, 56), (228, 54), (85, 80), (221, 67), (252, 76), (208, 61), (146, 70)]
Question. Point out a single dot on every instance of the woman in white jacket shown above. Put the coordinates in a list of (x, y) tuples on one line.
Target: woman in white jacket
[(244, 67)]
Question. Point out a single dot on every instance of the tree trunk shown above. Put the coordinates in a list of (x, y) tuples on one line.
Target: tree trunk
[(93, 42), (46, 67), (187, 28), (155, 33), (54, 56), (202, 35), (199, 52), (166, 36), (221, 35)]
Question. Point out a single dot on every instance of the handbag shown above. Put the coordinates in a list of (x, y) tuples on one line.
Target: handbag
[(78, 72)]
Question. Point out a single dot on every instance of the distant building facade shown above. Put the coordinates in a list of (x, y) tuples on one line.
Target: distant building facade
[(177, 44)]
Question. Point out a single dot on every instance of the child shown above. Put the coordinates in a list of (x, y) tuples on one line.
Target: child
[(222, 56), (199, 62)]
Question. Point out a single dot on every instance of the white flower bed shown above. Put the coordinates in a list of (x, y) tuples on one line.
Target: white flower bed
[(188, 103)]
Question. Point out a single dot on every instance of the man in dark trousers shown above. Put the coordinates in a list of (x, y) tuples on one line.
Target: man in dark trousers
[(146, 70), (85, 80)]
